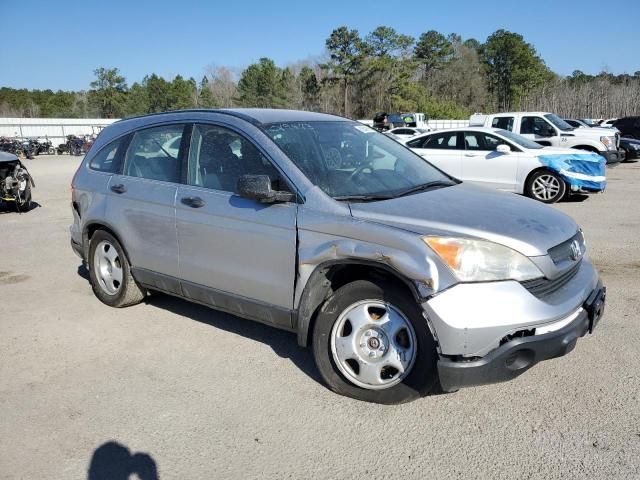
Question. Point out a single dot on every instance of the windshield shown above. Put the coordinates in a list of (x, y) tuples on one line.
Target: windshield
[(348, 159), (558, 122), (519, 140)]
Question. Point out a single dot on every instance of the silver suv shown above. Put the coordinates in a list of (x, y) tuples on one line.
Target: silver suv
[(402, 278)]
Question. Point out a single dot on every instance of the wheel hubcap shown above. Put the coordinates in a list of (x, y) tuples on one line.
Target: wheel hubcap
[(373, 344), (546, 187), (108, 267)]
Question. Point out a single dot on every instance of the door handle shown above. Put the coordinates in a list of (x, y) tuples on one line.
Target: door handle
[(119, 188), (470, 155), (193, 202)]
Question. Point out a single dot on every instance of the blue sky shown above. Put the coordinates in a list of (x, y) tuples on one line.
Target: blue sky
[(58, 44)]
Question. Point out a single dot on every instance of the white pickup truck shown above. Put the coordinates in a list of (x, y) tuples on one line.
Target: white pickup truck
[(549, 130)]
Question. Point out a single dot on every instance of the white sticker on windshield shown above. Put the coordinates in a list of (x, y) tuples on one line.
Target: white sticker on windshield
[(364, 128)]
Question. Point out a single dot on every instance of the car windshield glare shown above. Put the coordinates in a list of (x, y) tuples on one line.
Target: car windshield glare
[(519, 140), (347, 159), (558, 122)]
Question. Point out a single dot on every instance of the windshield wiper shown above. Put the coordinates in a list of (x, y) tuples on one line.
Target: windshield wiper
[(362, 198), (426, 186)]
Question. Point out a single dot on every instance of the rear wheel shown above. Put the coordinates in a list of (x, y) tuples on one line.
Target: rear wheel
[(546, 186), (110, 272), (371, 343)]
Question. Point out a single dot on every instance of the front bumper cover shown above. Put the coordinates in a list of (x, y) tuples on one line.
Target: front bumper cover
[(516, 356), (612, 156)]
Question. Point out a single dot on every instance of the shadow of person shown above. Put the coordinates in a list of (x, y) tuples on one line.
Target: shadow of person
[(112, 461)]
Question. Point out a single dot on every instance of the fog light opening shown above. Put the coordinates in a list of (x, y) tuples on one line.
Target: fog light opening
[(520, 359)]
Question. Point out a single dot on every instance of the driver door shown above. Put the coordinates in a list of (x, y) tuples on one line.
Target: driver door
[(235, 253), (538, 129), (484, 165)]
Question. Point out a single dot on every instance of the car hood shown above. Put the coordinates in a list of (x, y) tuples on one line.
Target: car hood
[(592, 132), (553, 151), (525, 225), (7, 157)]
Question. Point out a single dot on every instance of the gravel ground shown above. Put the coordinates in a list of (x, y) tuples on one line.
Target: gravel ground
[(192, 393)]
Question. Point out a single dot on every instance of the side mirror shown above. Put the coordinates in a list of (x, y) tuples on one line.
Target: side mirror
[(502, 148), (258, 187)]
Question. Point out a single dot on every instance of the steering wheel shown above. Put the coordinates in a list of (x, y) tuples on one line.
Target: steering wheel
[(359, 171)]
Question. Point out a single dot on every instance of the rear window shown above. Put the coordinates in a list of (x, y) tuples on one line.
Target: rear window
[(106, 160), (505, 123)]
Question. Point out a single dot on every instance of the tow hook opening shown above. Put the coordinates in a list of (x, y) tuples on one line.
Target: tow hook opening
[(520, 359)]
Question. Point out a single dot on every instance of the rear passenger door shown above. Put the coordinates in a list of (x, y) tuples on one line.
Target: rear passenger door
[(443, 149), (141, 204), (236, 254)]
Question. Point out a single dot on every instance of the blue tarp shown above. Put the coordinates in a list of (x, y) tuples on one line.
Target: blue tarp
[(585, 170)]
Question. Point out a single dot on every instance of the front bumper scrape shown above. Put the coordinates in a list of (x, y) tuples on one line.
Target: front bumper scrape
[(518, 355)]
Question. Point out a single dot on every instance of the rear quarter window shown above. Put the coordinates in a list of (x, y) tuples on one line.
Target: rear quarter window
[(107, 159)]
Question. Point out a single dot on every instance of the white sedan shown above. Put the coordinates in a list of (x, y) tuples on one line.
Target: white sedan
[(507, 161)]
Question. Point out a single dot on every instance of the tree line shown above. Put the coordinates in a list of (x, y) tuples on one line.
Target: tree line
[(444, 76)]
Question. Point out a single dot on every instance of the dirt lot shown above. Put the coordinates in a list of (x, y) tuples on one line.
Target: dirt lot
[(208, 395)]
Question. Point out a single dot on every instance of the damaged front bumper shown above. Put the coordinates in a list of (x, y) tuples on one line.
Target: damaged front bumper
[(494, 331), (518, 355)]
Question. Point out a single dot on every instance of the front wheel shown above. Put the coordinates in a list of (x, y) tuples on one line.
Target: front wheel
[(371, 343), (546, 186)]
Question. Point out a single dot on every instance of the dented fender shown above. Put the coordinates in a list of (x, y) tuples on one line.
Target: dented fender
[(325, 240)]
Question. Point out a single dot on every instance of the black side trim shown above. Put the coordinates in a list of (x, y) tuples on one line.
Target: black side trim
[(224, 301), (156, 281)]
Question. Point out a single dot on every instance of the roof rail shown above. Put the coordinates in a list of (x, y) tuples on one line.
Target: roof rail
[(233, 113)]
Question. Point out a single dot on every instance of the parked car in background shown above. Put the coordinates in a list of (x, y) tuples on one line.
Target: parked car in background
[(607, 123), (576, 123), (589, 122), (631, 148), (504, 160), (628, 127), (403, 133), (548, 129), (397, 275), (16, 182)]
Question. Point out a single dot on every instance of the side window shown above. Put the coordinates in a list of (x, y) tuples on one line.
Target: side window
[(106, 160), (153, 153), (418, 142), (505, 123), (218, 157), (536, 126), (481, 141), (447, 141)]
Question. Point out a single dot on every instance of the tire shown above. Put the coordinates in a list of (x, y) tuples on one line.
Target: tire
[(545, 186), (25, 205), (348, 376), (110, 272)]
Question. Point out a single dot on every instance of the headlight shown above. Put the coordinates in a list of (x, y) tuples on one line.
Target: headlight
[(480, 260), (609, 142)]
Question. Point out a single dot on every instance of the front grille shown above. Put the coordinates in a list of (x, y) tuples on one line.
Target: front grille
[(563, 252), (541, 287)]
